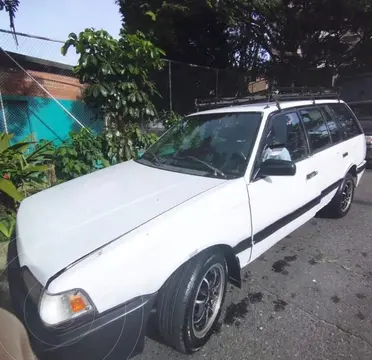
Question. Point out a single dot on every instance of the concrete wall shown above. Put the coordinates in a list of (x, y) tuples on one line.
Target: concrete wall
[(44, 118)]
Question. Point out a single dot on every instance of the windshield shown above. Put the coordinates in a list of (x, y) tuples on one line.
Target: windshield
[(216, 145)]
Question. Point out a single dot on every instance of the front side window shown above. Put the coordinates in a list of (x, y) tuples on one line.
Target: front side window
[(217, 145), (316, 128), (285, 139), (346, 119)]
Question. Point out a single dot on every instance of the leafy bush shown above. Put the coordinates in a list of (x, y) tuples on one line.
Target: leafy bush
[(23, 171), (125, 144), (86, 152), (7, 225), (80, 155), (169, 118)]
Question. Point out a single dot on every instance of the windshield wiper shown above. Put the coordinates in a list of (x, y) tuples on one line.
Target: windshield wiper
[(216, 170)]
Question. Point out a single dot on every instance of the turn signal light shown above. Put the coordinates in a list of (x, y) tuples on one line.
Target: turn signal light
[(77, 303)]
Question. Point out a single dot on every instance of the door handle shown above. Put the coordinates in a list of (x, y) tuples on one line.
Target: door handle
[(311, 175), (345, 154)]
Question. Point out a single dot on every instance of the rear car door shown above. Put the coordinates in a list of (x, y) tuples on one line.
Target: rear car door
[(280, 204), (323, 137), (352, 148)]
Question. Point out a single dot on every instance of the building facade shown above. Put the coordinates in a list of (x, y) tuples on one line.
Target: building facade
[(41, 98)]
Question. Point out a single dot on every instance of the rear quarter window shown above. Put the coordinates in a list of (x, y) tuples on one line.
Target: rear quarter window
[(347, 120)]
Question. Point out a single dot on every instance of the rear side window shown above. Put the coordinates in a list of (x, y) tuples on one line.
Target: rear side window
[(333, 126), (346, 119), (316, 128)]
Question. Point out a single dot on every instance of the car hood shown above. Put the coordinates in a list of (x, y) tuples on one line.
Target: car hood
[(60, 225)]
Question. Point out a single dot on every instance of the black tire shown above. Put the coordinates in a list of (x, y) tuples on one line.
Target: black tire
[(175, 302), (336, 209)]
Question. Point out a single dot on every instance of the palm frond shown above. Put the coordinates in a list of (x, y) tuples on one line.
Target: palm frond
[(11, 7)]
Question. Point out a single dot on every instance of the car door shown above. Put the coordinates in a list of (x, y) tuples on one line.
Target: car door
[(325, 150), (351, 147), (280, 204)]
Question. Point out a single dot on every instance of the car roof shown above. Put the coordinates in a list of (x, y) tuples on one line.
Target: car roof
[(267, 107)]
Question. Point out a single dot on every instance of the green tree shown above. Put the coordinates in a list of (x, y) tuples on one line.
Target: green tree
[(192, 31), (290, 35), (117, 75), (215, 33)]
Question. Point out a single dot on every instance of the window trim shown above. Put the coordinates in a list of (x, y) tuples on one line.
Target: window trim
[(338, 125), (312, 152), (249, 157), (254, 172), (353, 116)]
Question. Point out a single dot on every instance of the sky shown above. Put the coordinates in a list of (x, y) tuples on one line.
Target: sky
[(56, 19)]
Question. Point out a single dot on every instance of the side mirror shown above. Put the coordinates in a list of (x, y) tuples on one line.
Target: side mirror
[(276, 167)]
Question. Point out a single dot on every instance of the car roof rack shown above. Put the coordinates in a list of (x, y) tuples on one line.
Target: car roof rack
[(275, 95)]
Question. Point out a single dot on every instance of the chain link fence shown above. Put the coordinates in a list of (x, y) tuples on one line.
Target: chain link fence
[(180, 84), (39, 94)]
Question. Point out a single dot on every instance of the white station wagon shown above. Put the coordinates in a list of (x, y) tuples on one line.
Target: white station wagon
[(163, 234)]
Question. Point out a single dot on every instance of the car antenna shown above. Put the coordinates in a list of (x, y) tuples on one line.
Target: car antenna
[(268, 101), (311, 96), (276, 99)]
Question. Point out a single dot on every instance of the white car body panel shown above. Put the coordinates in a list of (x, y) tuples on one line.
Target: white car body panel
[(273, 198), (58, 226)]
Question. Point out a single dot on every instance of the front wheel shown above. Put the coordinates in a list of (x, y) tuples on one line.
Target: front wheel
[(190, 302)]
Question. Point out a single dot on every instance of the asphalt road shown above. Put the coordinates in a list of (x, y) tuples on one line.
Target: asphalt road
[(309, 297)]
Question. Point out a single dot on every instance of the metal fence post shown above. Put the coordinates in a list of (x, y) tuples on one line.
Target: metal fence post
[(3, 112), (170, 85), (216, 83)]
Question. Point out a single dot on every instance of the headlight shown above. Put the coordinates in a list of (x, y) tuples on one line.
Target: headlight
[(60, 308)]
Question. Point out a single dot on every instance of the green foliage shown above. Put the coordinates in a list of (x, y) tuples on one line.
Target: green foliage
[(117, 73), (125, 144), (80, 155), (205, 32), (242, 33), (86, 152), (7, 225), (169, 118), (22, 169)]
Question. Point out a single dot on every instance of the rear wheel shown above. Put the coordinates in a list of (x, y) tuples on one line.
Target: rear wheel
[(341, 203), (190, 302)]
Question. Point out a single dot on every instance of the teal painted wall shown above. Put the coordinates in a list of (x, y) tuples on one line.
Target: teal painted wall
[(45, 119)]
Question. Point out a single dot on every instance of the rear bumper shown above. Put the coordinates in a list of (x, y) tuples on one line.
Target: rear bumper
[(369, 155), (116, 334), (360, 171)]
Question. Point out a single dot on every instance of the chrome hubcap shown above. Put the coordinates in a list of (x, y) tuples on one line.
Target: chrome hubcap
[(208, 300), (347, 193)]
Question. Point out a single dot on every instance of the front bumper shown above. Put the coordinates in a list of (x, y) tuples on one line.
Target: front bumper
[(116, 334)]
